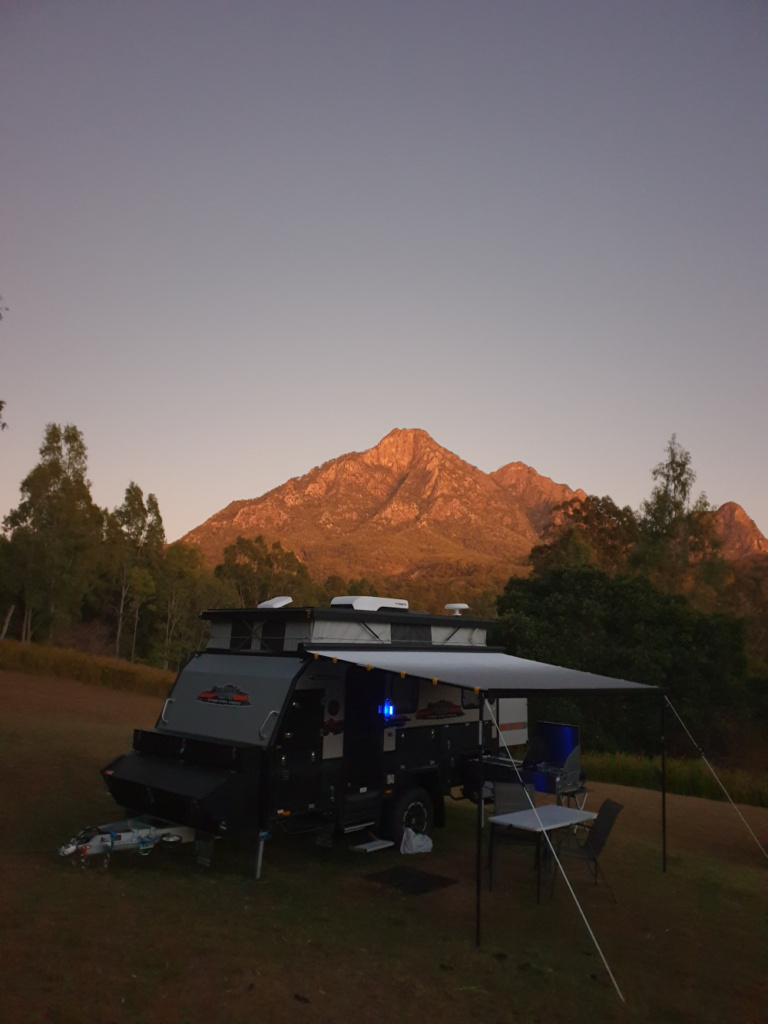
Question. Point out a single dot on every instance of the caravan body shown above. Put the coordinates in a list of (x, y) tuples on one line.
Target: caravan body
[(267, 725)]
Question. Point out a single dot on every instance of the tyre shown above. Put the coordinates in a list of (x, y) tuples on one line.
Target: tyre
[(412, 809)]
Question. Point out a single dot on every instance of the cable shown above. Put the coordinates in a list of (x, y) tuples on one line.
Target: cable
[(717, 778)]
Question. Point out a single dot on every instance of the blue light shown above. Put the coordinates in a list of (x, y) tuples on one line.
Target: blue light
[(387, 709)]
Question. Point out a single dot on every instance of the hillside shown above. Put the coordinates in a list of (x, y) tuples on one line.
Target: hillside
[(404, 506), (409, 509)]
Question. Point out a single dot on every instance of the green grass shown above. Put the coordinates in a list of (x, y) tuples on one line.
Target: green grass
[(683, 775), (114, 673), (153, 941)]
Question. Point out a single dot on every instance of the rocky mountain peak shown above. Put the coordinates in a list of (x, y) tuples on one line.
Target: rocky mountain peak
[(404, 503), (402, 447), (409, 507), (739, 534), (538, 493)]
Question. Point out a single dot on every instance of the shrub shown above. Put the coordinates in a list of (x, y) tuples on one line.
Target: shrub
[(684, 776), (112, 673)]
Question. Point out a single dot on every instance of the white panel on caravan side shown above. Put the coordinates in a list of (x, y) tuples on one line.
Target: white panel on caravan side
[(512, 716)]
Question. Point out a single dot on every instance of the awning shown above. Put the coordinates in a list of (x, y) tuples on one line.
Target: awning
[(489, 671)]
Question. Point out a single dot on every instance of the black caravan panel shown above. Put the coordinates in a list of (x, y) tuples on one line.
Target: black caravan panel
[(232, 697), (212, 800)]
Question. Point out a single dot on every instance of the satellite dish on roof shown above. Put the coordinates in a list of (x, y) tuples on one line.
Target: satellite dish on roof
[(457, 609), (276, 602)]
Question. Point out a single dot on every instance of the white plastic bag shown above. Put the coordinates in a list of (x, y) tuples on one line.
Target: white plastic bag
[(415, 842)]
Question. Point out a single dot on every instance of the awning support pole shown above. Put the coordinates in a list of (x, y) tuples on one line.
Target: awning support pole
[(663, 783), (479, 845)]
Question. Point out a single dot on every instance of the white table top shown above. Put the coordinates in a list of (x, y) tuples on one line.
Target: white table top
[(549, 816)]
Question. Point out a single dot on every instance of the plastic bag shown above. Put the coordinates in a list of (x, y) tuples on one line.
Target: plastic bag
[(415, 842)]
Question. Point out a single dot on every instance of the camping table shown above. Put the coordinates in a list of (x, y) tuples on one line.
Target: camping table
[(543, 819)]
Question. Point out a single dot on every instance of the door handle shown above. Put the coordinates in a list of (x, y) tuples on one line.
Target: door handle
[(169, 700)]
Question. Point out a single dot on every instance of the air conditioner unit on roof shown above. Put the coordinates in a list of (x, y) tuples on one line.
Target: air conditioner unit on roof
[(369, 604)]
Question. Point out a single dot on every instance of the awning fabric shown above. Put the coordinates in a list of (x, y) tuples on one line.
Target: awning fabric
[(485, 670)]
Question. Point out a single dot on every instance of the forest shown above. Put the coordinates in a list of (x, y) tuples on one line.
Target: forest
[(105, 581), (643, 595)]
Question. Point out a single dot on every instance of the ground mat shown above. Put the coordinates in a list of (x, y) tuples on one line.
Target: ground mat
[(410, 881)]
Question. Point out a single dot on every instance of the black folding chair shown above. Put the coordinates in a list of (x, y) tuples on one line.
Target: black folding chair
[(590, 849), (507, 798)]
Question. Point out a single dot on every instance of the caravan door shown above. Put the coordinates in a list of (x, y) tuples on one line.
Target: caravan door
[(298, 754)]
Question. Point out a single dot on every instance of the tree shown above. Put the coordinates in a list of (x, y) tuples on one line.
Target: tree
[(593, 531), (257, 573), (142, 589), (676, 532), (626, 628), (246, 567), (185, 587), (55, 533), (135, 536)]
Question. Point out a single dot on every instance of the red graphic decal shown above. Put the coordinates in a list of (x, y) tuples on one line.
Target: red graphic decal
[(224, 695)]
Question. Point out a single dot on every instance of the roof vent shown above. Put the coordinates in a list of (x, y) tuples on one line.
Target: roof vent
[(276, 602), (369, 604), (457, 609)]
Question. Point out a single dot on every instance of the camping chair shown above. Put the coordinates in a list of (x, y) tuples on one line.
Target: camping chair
[(507, 798), (590, 849)]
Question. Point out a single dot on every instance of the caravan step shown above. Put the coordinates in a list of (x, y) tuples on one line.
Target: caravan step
[(359, 826), (373, 845)]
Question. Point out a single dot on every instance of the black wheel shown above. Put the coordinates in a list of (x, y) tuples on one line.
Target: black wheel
[(412, 809)]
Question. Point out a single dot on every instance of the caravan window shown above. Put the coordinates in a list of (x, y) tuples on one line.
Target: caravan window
[(241, 635), (411, 633)]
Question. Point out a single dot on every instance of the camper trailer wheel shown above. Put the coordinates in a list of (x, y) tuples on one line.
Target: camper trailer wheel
[(412, 809)]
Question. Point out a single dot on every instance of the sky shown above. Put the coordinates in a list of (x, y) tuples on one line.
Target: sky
[(239, 238)]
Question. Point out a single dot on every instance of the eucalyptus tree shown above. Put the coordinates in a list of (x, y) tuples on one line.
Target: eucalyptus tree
[(55, 534), (677, 531), (591, 531), (257, 572), (135, 536), (185, 586)]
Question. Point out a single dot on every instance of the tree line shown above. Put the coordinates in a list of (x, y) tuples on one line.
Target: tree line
[(642, 595), (645, 596), (105, 580)]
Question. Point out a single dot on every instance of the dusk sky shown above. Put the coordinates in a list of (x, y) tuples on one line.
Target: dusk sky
[(239, 238)]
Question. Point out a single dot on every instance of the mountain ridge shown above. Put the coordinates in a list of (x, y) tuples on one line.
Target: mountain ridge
[(410, 507)]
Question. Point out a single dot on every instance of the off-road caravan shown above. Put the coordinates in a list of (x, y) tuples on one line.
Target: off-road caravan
[(338, 719)]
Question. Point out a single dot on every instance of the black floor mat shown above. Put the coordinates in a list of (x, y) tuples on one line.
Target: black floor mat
[(410, 881)]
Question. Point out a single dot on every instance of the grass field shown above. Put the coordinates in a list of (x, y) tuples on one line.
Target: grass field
[(154, 942)]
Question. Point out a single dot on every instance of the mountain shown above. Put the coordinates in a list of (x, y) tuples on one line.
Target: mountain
[(409, 509), (406, 506), (738, 533)]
